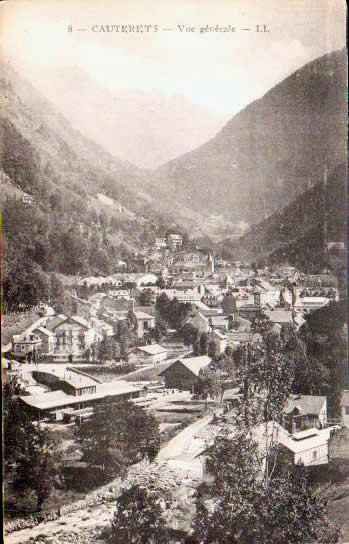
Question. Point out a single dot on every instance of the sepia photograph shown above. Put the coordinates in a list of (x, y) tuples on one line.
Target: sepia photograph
[(174, 318)]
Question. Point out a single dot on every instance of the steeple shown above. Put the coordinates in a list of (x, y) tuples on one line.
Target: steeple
[(210, 262)]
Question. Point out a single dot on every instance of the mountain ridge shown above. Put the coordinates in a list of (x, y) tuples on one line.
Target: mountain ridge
[(263, 157), (296, 235)]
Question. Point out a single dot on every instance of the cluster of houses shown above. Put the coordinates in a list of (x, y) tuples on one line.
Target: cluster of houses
[(224, 301)]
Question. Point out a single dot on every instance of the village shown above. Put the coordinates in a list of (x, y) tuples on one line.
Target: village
[(169, 340)]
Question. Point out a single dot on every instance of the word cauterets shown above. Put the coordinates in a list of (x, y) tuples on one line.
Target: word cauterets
[(125, 28)]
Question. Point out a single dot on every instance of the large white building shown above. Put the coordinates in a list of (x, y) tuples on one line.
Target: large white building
[(175, 241)]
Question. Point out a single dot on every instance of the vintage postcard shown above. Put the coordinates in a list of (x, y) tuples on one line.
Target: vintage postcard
[(173, 180)]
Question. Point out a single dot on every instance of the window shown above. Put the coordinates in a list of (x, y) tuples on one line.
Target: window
[(146, 325), (347, 410), (314, 454)]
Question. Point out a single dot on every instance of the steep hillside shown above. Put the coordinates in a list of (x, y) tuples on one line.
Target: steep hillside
[(266, 155), (36, 138), (53, 218), (296, 233)]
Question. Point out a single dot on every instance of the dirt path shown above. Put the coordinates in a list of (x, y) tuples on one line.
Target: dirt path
[(182, 440)]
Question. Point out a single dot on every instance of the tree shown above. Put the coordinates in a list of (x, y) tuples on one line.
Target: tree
[(262, 324), (160, 329), (126, 335), (210, 382), (267, 375), (31, 452), (203, 343), (186, 241), (24, 284), (56, 290), (160, 282), (325, 338), (242, 509), (37, 466), (178, 313), (16, 425), (162, 306), (118, 435), (196, 346), (139, 518), (146, 297), (252, 500), (189, 334), (109, 349), (212, 349), (132, 322)]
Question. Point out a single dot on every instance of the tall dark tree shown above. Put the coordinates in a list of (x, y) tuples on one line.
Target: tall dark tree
[(146, 297), (325, 337), (109, 349), (162, 305), (139, 518), (160, 329), (246, 508), (117, 436), (37, 466), (203, 343), (212, 349), (31, 455), (190, 334)]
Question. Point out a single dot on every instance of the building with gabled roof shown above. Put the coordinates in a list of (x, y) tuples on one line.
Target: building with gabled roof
[(305, 411), (55, 321), (73, 335), (151, 354), (184, 373), (47, 340), (26, 346), (145, 322), (309, 447)]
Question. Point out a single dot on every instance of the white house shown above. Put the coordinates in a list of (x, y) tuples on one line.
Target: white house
[(175, 241), (183, 295), (145, 322), (144, 279), (73, 335), (102, 328), (345, 408), (47, 339), (151, 354), (309, 304), (309, 447), (220, 340), (26, 345)]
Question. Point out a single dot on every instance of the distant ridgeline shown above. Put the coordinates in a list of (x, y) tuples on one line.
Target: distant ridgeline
[(309, 233)]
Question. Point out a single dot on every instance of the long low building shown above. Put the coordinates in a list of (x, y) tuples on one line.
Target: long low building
[(45, 404)]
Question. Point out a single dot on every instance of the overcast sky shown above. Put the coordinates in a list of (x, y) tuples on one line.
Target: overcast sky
[(222, 72)]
